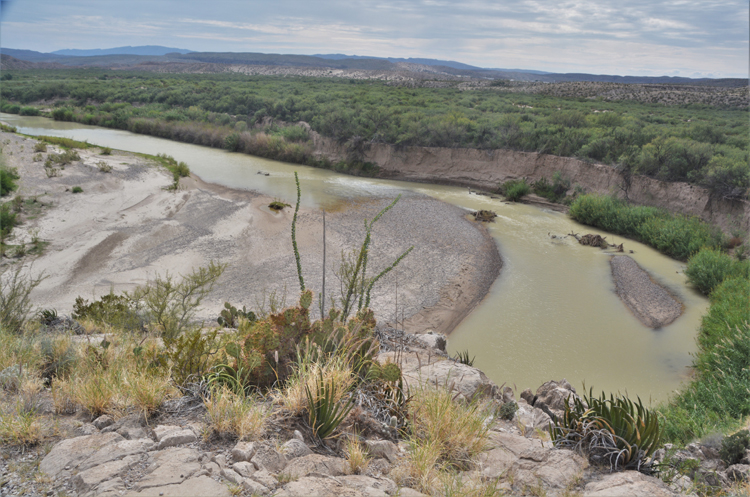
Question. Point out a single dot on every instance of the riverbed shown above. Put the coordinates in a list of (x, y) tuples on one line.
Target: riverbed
[(552, 313)]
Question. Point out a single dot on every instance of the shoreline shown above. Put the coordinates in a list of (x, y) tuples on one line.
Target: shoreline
[(125, 228)]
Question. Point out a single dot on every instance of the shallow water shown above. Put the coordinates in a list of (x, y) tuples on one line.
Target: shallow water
[(552, 313)]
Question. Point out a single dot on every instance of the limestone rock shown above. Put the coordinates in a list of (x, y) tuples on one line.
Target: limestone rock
[(232, 476), (383, 448), (69, 453), (174, 438), (410, 492), (116, 450), (295, 448), (91, 478), (738, 472), (372, 487), (555, 469), (315, 463), (436, 341), (265, 478), (469, 382), (254, 487), (201, 485), (532, 418), (244, 468), (270, 459), (170, 467), (243, 451), (314, 485), (496, 462), (630, 483), (103, 421), (163, 430)]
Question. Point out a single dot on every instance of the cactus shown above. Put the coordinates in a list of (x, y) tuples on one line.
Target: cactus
[(229, 316)]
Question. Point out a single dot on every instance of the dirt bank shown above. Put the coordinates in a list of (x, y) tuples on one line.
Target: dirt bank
[(486, 169), (124, 228)]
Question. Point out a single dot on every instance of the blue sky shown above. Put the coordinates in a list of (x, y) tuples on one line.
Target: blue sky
[(693, 38)]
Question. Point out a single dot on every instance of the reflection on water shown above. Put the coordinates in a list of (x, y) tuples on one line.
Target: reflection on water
[(552, 313)]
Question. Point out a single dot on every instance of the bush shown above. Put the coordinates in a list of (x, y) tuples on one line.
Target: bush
[(115, 310), (64, 142), (734, 446), (15, 304), (28, 111), (40, 147), (615, 430), (709, 267), (515, 189), (8, 179), (77, 189), (105, 151)]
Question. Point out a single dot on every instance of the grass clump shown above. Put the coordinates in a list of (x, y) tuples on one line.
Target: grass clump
[(235, 415), (105, 151), (20, 425), (40, 147), (8, 177), (77, 189), (515, 189), (675, 235), (15, 304), (357, 456), (68, 143)]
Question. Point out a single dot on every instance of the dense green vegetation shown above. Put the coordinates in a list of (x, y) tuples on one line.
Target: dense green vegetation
[(677, 236), (718, 396), (691, 143)]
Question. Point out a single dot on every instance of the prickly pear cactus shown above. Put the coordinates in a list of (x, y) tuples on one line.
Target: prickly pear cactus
[(305, 300), (390, 372)]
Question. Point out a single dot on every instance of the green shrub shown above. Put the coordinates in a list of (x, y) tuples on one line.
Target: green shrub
[(515, 189), (191, 354), (77, 189), (28, 111), (64, 158), (114, 310), (8, 177), (7, 129), (105, 151), (8, 221), (64, 142), (615, 430), (40, 147), (15, 304), (230, 316), (734, 446), (709, 267)]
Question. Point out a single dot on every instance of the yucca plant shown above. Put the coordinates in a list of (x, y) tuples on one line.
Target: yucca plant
[(325, 414), (615, 429)]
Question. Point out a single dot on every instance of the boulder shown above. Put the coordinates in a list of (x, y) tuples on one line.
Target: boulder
[(738, 472), (68, 454), (295, 448), (244, 468), (383, 448), (91, 478), (317, 464), (431, 340), (170, 467), (314, 485), (372, 487), (178, 437), (554, 469), (115, 451), (201, 485), (269, 458), (103, 421), (243, 451), (469, 382), (630, 483)]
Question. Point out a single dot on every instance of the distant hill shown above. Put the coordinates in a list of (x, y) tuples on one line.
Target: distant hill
[(31, 56), (141, 50)]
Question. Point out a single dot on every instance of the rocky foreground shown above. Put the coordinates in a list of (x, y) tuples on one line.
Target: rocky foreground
[(172, 454)]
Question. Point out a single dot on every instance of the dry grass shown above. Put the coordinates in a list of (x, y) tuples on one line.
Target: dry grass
[(232, 414), (458, 485), (147, 391), (357, 456), (294, 397), (19, 425), (421, 469)]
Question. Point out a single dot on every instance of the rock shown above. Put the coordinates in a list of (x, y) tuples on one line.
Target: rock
[(298, 435), (738, 472), (91, 478), (69, 453), (315, 463), (214, 468), (202, 485), (103, 421), (384, 449), (162, 430), (254, 487), (378, 467), (265, 478), (244, 468), (495, 463), (115, 486), (117, 450), (171, 467), (410, 492), (372, 487), (554, 394), (130, 427), (243, 451), (555, 469), (269, 458), (468, 381), (528, 396), (681, 484), (232, 476), (85, 429), (508, 395), (746, 458), (174, 438), (313, 485), (630, 483), (436, 341), (220, 459), (532, 418), (295, 448)]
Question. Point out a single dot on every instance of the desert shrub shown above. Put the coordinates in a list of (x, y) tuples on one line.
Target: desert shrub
[(115, 310), (105, 151), (77, 189), (232, 142), (178, 169), (612, 430), (325, 412), (64, 158), (15, 304), (8, 177), (40, 147), (171, 305), (555, 191), (64, 142), (709, 267), (148, 390), (103, 167), (8, 221), (58, 357), (192, 354), (515, 189), (295, 133), (28, 111), (464, 358), (508, 411), (6, 128), (734, 446)]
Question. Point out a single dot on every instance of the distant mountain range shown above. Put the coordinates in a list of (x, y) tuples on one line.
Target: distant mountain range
[(126, 57)]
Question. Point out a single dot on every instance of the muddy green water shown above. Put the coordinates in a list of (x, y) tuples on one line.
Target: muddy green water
[(551, 314)]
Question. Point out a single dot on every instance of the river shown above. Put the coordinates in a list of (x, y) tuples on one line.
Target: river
[(553, 312)]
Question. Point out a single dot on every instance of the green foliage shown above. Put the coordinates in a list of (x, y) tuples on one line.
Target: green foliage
[(178, 169), (64, 142), (8, 221), (675, 235), (77, 189), (507, 411), (58, 357), (555, 191), (191, 354), (28, 111), (278, 205), (515, 189), (8, 177), (115, 310), (230, 315), (40, 147), (64, 158), (170, 305), (105, 151), (7, 129), (324, 413), (15, 304), (709, 267), (614, 430), (464, 358), (734, 446)]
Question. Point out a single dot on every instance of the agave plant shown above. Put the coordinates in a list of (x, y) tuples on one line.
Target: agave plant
[(615, 430), (325, 414)]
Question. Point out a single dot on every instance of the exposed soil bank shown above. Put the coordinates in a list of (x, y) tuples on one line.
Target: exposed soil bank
[(124, 228), (486, 169), (651, 303)]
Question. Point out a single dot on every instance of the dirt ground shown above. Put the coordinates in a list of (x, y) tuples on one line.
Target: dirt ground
[(125, 228)]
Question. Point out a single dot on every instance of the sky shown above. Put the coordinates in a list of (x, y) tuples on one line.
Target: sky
[(690, 38)]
